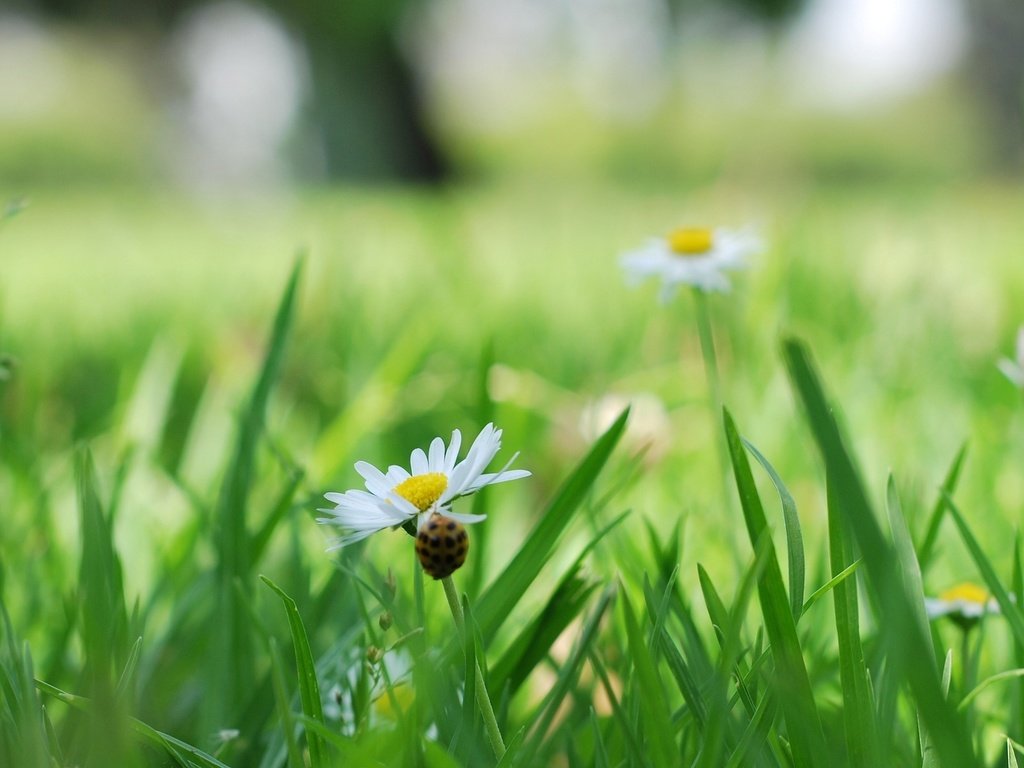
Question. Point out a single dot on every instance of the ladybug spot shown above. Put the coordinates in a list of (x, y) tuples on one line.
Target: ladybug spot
[(462, 536), (436, 558), (451, 525), (435, 541), (423, 537), (449, 541), (432, 525), (460, 551), (449, 559)]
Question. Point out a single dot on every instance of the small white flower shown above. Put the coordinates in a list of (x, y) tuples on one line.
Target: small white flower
[(965, 603), (1014, 369), (697, 257), (397, 496)]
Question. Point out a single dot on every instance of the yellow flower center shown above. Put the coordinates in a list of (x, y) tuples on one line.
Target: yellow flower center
[(423, 490), (967, 592), (690, 241)]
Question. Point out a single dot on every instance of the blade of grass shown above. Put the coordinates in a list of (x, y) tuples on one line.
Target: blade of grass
[(163, 740), (534, 642), (567, 675), (233, 661), (309, 687), (1016, 714), (628, 729), (909, 648), (502, 596), (717, 739), (653, 702), (1009, 608), (284, 711), (931, 536), (858, 708), (794, 538), (794, 687), (755, 735), (484, 414), (829, 585)]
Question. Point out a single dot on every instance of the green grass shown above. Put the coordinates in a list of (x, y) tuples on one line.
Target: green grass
[(165, 440)]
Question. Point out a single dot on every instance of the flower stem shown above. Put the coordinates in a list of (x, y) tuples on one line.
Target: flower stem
[(483, 700), (707, 348)]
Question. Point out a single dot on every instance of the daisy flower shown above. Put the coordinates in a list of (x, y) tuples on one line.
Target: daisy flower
[(697, 257), (434, 480), (965, 604), (1014, 369)]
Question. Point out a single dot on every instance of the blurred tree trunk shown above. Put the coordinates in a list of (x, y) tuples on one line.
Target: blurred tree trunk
[(368, 114), (997, 68), (366, 108), (365, 104)]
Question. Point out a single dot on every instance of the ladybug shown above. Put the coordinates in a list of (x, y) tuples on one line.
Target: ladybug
[(441, 546)]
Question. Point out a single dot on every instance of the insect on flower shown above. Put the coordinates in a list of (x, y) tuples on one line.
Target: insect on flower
[(441, 546), (424, 495)]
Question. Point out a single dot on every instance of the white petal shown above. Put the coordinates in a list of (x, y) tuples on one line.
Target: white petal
[(936, 608), (436, 460), (1012, 371), (497, 477), (465, 519), (418, 462), (452, 454), (376, 482), (397, 474), (486, 445)]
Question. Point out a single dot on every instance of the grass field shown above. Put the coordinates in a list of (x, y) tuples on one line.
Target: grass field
[(165, 443)]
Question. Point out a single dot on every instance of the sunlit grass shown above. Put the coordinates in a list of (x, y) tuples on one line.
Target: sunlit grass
[(138, 326)]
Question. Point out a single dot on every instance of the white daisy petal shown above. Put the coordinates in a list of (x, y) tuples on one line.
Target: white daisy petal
[(397, 474), (484, 449), (418, 462), (436, 461), (370, 473), (497, 477), (466, 519), (452, 454), (1012, 371)]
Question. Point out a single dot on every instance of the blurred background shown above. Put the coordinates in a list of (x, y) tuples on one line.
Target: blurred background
[(214, 96)]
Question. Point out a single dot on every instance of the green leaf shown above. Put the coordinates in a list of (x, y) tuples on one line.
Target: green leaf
[(309, 687), (174, 747), (1009, 608), (653, 704), (504, 594), (716, 739), (829, 585), (533, 643), (233, 662), (284, 711), (794, 538), (793, 684), (858, 708), (927, 548), (903, 637), (567, 675)]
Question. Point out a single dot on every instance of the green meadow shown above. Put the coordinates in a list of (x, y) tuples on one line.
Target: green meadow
[(182, 381)]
